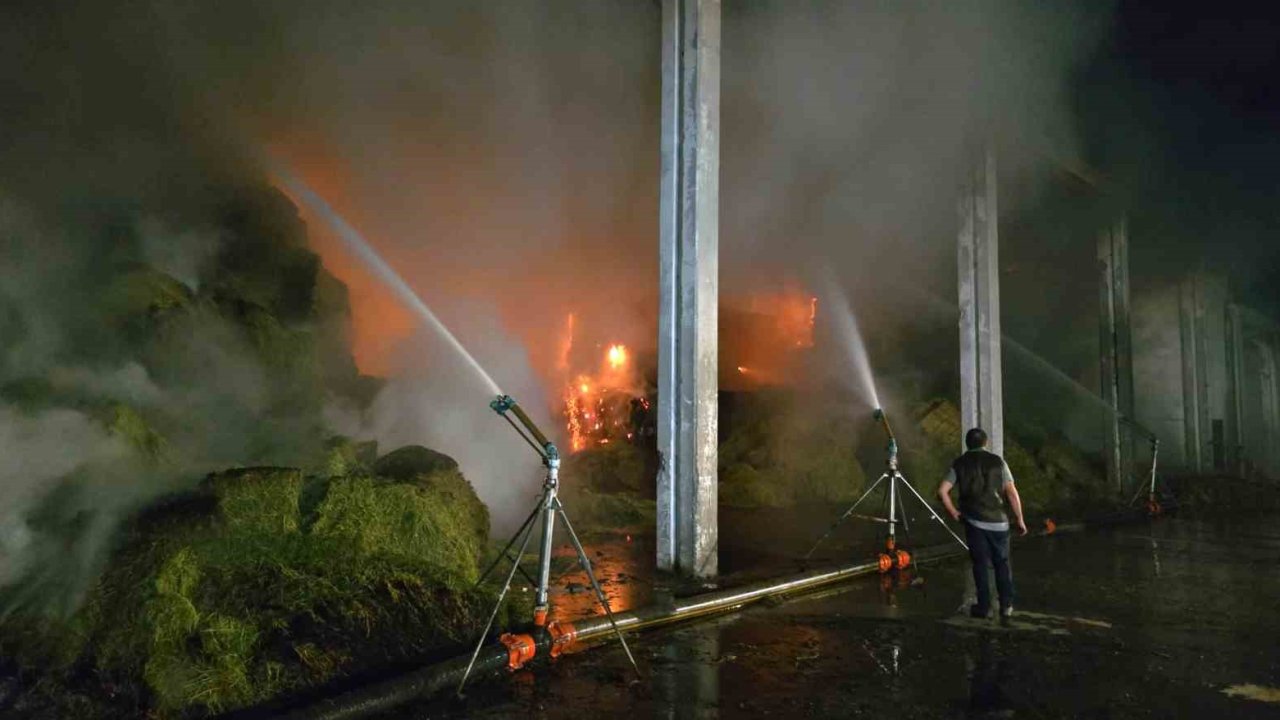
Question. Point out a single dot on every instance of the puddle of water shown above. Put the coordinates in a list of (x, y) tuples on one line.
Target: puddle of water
[(1026, 621), (1165, 609), (623, 568)]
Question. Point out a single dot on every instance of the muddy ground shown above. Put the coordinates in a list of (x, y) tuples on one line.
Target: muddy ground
[(1171, 618)]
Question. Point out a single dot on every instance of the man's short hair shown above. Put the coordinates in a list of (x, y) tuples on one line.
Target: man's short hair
[(975, 438)]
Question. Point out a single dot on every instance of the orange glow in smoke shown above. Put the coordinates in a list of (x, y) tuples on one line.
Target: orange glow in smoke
[(566, 345), (379, 322), (765, 336)]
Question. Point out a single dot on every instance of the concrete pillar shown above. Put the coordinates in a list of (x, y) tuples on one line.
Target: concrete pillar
[(1191, 373), (1207, 369), (1239, 381), (688, 292), (1116, 345), (981, 393), (1158, 369), (1270, 408)]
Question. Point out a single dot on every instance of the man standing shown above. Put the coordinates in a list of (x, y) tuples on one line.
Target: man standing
[(984, 483)]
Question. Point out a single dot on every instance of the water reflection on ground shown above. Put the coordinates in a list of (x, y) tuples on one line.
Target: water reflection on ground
[(1147, 620)]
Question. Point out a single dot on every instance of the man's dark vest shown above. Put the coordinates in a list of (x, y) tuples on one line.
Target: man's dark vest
[(979, 479)]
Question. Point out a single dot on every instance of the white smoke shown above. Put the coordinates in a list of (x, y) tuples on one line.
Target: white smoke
[(39, 451), (434, 399)]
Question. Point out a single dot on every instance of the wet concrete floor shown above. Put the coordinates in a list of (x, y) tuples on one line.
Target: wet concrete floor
[(1172, 618)]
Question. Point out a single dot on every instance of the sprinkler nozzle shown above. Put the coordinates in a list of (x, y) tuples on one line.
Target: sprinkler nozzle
[(504, 404), (883, 419)]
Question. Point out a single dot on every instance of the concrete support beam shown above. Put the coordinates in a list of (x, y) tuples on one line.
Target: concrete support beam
[(981, 389), (689, 286), (1116, 345)]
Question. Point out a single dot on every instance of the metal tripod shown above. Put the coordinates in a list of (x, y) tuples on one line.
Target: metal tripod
[(896, 511), (1153, 502), (547, 507)]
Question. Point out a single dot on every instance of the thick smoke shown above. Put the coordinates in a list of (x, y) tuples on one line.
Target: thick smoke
[(503, 157), (433, 399), (520, 166)]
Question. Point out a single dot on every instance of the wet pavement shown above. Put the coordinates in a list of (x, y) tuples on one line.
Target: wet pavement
[(1173, 618)]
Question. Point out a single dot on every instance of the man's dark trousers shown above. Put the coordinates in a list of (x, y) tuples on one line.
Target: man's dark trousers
[(990, 548)]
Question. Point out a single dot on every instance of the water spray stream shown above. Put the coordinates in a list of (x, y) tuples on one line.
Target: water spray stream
[(357, 244), (851, 339), (1032, 358), (1048, 368)]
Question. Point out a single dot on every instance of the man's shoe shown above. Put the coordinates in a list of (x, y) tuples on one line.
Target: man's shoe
[(977, 612), (1006, 616)]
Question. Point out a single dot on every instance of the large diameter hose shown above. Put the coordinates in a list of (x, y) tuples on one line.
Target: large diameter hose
[(427, 681)]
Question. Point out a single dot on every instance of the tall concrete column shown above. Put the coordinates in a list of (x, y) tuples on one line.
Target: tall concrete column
[(1238, 380), (1270, 407), (1116, 345), (689, 287), (981, 389), (1192, 371)]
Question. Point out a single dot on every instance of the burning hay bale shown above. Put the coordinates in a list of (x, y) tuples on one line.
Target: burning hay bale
[(263, 583)]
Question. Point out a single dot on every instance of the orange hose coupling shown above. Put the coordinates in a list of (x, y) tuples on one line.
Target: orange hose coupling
[(890, 543), (1050, 526), (885, 563), (540, 617), (520, 649), (903, 559), (563, 637)]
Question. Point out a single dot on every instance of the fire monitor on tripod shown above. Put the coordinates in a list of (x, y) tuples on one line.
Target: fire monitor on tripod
[(548, 508), (893, 556)]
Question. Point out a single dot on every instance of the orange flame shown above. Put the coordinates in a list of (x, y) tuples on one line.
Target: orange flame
[(594, 403)]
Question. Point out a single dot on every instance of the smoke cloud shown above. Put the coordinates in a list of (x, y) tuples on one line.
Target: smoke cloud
[(503, 157)]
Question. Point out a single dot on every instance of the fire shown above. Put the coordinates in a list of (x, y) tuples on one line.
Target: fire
[(598, 403), (617, 356)]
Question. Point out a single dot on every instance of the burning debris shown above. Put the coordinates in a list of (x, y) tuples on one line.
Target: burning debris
[(605, 404)]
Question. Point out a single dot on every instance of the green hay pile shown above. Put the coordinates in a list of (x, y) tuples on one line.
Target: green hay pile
[(608, 488), (264, 583), (781, 452), (1053, 477)]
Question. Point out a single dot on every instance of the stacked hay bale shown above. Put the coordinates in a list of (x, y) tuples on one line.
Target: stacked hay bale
[(265, 582)]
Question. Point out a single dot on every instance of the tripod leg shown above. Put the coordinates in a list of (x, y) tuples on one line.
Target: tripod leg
[(1136, 495), (524, 544), (902, 510), (586, 565), (934, 513), (846, 514), (524, 526), (906, 531)]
